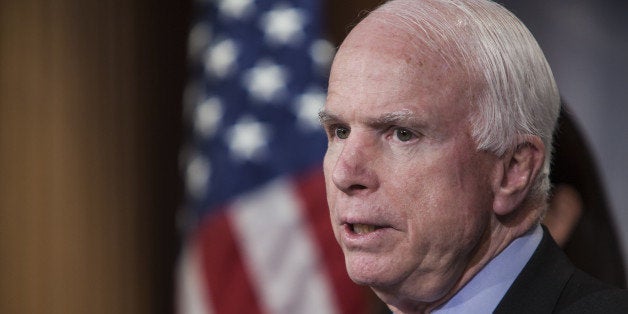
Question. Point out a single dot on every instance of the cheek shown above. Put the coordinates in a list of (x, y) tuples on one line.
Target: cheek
[(329, 161), (330, 188), (443, 196), (328, 166)]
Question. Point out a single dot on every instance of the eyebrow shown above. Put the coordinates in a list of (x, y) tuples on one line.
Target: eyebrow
[(395, 117), (327, 118), (404, 115)]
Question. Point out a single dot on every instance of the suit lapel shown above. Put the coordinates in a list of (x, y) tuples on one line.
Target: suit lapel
[(540, 283)]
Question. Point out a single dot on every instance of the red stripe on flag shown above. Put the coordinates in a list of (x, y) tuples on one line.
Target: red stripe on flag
[(350, 297), (230, 287)]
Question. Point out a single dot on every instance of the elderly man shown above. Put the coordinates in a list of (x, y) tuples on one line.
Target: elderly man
[(439, 118)]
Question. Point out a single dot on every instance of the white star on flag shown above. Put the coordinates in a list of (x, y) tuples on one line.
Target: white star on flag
[(197, 175), (236, 9), (307, 108), (208, 116), (220, 58), (322, 52), (284, 25), (248, 139), (199, 39), (266, 81)]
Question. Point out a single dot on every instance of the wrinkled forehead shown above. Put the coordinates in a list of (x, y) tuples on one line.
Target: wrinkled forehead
[(381, 69), (382, 49), (379, 34), (438, 42)]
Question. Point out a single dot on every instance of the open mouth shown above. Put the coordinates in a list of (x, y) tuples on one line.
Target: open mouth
[(362, 228)]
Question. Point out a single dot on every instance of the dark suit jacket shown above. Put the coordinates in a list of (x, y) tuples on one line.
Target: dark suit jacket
[(549, 283)]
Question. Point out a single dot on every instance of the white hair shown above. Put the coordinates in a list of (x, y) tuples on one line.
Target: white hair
[(517, 94)]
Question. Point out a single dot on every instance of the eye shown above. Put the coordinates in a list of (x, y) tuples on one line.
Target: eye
[(342, 132), (403, 135)]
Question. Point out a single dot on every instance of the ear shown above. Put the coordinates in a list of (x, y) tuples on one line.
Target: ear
[(519, 169)]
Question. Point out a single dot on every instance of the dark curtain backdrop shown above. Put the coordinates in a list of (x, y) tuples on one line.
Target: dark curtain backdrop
[(90, 96)]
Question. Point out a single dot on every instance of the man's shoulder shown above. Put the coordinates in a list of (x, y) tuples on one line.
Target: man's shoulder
[(550, 283), (603, 301), (585, 294)]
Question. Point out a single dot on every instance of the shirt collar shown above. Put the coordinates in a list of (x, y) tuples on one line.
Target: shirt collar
[(488, 287)]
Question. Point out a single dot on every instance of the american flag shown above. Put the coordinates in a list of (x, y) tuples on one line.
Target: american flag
[(257, 232)]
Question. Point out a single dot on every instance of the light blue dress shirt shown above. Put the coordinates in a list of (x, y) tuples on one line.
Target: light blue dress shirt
[(486, 289)]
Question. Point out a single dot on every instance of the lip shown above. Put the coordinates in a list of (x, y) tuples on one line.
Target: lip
[(363, 242)]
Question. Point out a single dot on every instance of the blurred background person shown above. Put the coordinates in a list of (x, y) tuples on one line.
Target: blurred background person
[(579, 217)]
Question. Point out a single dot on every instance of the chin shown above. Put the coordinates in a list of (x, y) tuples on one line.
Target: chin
[(371, 271), (396, 284)]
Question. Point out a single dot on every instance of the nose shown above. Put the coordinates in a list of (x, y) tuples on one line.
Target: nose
[(354, 170)]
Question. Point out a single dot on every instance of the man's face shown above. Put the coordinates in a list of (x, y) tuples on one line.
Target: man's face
[(409, 196)]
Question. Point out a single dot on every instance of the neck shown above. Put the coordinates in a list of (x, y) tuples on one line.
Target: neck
[(501, 233)]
